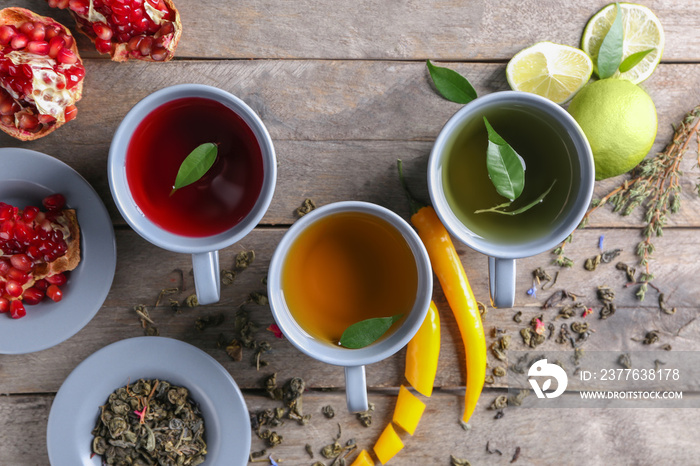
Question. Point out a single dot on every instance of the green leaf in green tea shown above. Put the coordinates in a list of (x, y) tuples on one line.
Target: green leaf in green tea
[(499, 208), (366, 332), (610, 53), (506, 168), (195, 165), (451, 85), (633, 60)]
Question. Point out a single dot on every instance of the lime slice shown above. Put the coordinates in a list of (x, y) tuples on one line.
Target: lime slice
[(643, 31), (551, 70)]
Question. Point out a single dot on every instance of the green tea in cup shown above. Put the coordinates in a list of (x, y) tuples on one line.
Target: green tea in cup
[(470, 191)]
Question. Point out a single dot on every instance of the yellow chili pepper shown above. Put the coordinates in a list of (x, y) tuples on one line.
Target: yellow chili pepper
[(388, 444), (422, 353), (408, 411), (450, 273), (363, 459)]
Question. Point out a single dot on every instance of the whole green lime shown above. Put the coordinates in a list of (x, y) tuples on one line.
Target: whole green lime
[(619, 120)]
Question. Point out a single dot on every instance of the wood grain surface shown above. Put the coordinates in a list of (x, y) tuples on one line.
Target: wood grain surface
[(344, 91)]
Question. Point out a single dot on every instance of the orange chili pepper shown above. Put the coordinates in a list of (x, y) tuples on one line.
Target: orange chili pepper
[(450, 273)]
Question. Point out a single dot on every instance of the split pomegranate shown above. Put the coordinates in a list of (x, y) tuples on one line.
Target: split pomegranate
[(141, 29), (36, 249), (41, 75)]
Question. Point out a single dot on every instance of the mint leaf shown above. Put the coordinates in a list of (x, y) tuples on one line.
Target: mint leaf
[(610, 53), (451, 85), (497, 209), (366, 332), (195, 165), (633, 60), (505, 166)]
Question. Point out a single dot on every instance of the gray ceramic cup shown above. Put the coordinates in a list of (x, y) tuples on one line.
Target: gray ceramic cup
[(354, 360), (502, 256), (204, 250)]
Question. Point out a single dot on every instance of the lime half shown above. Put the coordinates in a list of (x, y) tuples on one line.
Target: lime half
[(642, 31), (551, 70)]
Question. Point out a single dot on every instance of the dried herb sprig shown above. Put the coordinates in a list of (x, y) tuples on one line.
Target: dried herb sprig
[(655, 186)]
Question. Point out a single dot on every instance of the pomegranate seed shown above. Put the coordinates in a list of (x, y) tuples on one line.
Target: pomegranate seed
[(4, 305), (26, 28), (6, 34), (33, 252), (79, 6), (146, 46), (58, 279), (54, 293), (29, 213), (41, 284), (159, 54), (71, 112), (39, 47), (17, 310), (68, 40), (19, 41), (167, 28), (55, 46), (4, 267), (13, 288), (66, 56), (28, 122), (38, 33), (136, 14), (103, 46), (52, 30), (47, 120), (8, 107), (21, 262), (17, 276), (121, 9), (33, 295), (102, 31), (7, 120), (54, 202)]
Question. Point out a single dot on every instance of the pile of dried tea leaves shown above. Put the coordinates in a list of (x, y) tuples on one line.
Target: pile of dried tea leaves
[(150, 422)]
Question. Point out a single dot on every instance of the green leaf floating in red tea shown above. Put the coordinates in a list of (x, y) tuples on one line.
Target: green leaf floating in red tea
[(366, 332), (195, 165)]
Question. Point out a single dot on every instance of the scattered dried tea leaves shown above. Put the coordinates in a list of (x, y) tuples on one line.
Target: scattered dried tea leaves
[(500, 402), (258, 298), (306, 207), (191, 301), (163, 293), (491, 452), (150, 330), (557, 297), (309, 450), (328, 411), (517, 399), (650, 338), (244, 259), (202, 323), (664, 307), (630, 272), (518, 317), (228, 277), (454, 461), (625, 360), (499, 371), (516, 455), (365, 417)]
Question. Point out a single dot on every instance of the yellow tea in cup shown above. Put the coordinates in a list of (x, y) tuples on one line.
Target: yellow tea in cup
[(345, 268)]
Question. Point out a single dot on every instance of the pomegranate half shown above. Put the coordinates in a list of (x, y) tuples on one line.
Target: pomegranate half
[(140, 29), (41, 74)]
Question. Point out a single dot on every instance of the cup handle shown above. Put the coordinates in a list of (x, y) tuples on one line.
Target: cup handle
[(356, 388), (205, 267), (502, 282)]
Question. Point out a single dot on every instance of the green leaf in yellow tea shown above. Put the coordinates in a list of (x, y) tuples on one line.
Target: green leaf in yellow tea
[(366, 332)]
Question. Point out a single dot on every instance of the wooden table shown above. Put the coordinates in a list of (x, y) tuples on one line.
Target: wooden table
[(344, 91)]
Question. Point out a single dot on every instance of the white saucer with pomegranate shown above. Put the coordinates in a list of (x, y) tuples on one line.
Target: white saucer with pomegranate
[(26, 178)]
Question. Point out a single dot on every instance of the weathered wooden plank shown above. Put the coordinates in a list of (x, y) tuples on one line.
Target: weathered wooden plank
[(338, 126), (406, 29), (143, 270), (648, 436)]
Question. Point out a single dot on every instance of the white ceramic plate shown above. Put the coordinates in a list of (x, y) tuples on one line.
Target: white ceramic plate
[(76, 407), (26, 177)]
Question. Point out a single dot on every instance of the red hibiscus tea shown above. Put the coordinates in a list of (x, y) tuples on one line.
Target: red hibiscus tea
[(223, 196)]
